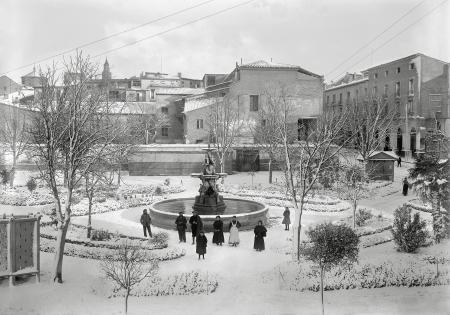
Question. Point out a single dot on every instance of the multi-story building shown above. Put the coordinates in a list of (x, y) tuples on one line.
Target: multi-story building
[(248, 87), (8, 86), (417, 86)]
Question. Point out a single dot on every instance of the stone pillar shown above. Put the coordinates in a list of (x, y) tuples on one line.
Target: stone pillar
[(393, 141), (407, 145)]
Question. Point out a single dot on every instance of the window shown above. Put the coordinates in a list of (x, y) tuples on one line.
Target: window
[(152, 94), (411, 87), (386, 89), (412, 66), (199, 123), (334, 98), (165, 131), (328, 99), (254, 102), (397, 89), (398, 70), (357, 94), (410, 107), (164, 110), (136, 83), (340, 98), (386, 73), (375, 75), (374, 91), (365, 91), (348, 96)]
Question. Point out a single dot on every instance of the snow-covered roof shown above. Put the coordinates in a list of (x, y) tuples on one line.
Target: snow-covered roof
[(180, 91), (263, 64), (14, 97), (390, 153), (197, 103)]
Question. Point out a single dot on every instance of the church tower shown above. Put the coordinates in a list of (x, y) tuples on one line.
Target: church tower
[(106, 74)]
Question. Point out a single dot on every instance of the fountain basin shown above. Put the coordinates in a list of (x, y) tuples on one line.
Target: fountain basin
[(248, 213)]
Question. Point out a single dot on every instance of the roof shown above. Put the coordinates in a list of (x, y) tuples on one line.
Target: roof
[(199, 102), (403, 59), (263, 64), (180, 91), (354, 82), (381, 155)]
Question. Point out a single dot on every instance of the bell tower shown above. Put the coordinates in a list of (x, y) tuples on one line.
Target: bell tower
[(106, 74)]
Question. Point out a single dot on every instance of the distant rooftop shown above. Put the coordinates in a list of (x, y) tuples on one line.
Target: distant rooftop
[(263, 64)]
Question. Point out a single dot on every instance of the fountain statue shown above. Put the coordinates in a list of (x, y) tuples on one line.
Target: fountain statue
[(209, 201)]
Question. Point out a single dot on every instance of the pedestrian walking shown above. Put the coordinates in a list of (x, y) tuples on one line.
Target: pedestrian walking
[(218, 237), (286, 218), (399, 161), (201, 244), (146, 221), (260, 232), (233, 227), (196, 225), (181, 223), (405, 186)]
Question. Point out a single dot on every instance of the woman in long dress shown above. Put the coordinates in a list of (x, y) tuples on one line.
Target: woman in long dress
[(405, 186), (234, 232), (286, 218), (201, 244), (218, 237), (260, 232)]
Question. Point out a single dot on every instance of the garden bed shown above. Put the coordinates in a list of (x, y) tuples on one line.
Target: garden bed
[(305, 277)]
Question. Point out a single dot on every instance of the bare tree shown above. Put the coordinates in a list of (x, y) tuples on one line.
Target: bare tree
[(14, 132), (304, 161), (225, 126), (128, 267), (353, 184), (72, 129), (370, 122)]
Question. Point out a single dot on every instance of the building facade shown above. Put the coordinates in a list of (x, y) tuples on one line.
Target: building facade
[(247, 89), (417, 86)]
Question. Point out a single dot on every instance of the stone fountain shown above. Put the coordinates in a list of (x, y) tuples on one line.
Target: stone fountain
[(209, 201)]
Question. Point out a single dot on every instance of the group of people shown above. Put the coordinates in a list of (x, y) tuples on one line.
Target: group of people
[(198, 234)]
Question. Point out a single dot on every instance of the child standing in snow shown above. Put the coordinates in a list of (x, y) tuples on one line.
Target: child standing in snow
[(201, 244)]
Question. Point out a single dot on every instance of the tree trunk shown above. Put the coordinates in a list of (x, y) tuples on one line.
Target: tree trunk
[(127, 294), (59, 250), (355, 205), (89, 226), (270, 171), (321, 288), (12, 175), (119, 171)]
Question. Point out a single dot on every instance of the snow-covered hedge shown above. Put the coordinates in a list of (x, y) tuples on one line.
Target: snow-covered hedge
[(99, 253), (77, 235), (185, 283), (415, 273), (421, 207), (136, 190), (17, 197)]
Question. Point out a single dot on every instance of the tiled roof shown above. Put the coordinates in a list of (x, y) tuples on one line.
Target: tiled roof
[(262, 64), (180, 91), (268, 64), (200, 102)]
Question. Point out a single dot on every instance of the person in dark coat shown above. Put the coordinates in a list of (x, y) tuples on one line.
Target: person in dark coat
[(181, 223), (405, 186), (196, 225), (218, 237), (146, 221), (286, 218), (399, 161), (201, 244), (260, 232)]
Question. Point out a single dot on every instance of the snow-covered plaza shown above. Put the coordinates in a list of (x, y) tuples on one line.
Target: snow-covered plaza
[(233, 280)]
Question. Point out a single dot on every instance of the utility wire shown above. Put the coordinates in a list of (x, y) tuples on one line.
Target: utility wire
[(112, 35), (173, 28), (396, 35), (375, 38)]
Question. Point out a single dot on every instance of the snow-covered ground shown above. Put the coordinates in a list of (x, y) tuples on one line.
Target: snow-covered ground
[(239, 270)]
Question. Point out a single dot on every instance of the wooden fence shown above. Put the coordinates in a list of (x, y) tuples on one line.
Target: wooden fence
[(19, 246)]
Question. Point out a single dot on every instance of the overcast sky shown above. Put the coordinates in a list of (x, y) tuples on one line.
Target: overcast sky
[(314, 34)]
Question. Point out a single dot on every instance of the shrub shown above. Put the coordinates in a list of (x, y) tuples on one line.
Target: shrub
[(100, 235), (158, 190), (409, 232), (362, 216), (160, 238), (31, 184), (4, 177)]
